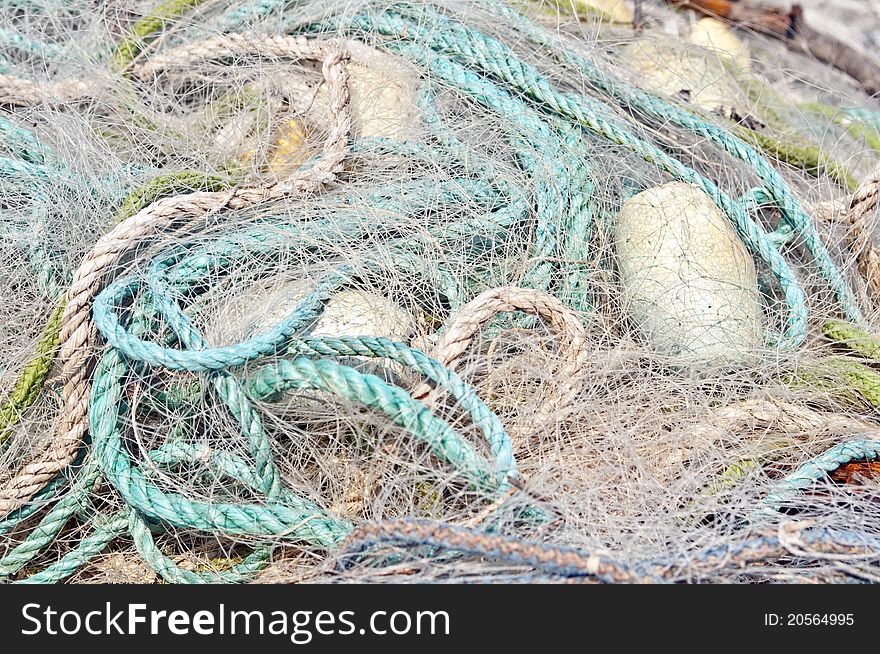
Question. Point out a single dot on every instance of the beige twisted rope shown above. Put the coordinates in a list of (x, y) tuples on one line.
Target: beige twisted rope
[(239, 45), (79, 337), (505, 299), (15, 91), (862, 218), (860, 214), (772, 414)]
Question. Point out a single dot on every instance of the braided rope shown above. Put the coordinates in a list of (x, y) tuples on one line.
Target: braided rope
[(16, 91), (566, 562), (540, 116), (497, 59), (564, 321), (28, 386), (790, 538), (30, 383), (862, 217), (855, 339), (373, 392), (78, 332)]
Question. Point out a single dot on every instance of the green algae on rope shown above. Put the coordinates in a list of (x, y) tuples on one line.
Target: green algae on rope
[(30, 384), (784, 144), (807, 157), (136, 39), (842, 378), (853, 338), (857, 129)]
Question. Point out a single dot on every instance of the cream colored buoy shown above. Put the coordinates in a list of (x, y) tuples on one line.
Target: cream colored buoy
[(690, 74), (716, 36), (688, 283), (361, 313), (346, 313), (383, 91), (269, 306)]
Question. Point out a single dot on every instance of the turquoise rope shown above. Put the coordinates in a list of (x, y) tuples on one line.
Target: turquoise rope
[(815, 470), (544, 129), (295, 519), (16, 41), (375, 393), (868, 117), (53, 522), (497, 59), (640, 101), (21, 142), (188, 272), (237, 17)]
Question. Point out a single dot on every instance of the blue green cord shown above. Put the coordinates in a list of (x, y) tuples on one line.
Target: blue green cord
[(544, 131)]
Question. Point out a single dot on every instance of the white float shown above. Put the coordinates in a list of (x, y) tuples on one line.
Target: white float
[(691, 74), (688, 282), (716, 36), (346, 313), (383, 91), (361, 313)]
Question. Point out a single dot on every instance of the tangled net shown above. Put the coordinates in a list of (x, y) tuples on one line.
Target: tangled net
[(335, 292)]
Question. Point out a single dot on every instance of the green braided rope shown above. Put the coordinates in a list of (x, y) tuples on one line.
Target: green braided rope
[(375, 393), (237, 573), (38, 502), (840, 377), (28, 386), (164, 185), (812, 471), (809, 158), (797, 150), (853, 338), (30, 383), (105, 532), (160, 293), (53, 522)]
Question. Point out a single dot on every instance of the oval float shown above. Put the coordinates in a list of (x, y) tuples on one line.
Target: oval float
[(688, 282)]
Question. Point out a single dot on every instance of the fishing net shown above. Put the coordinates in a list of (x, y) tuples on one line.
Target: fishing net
[(460, 291)]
